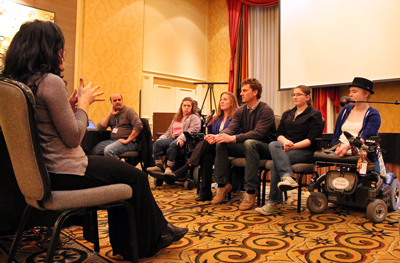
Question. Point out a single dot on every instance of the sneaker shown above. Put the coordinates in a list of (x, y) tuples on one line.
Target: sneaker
[(221, 193), (248, 201), (288, 183), (168, 171), (268, 209)]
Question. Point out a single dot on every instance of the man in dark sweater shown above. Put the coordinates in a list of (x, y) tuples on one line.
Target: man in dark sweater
[(256, 120)]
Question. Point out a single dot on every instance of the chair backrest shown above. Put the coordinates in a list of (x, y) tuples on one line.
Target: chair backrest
[(277, 120), (17, 121), (146, 145)]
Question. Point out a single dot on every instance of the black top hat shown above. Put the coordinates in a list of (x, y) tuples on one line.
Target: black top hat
[(363, 83)]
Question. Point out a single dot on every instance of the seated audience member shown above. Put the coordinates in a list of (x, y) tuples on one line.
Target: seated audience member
[(186, 119), (296, 134), (256, 120), (36, 57), (204, 152), (125, 127), (358, 118)]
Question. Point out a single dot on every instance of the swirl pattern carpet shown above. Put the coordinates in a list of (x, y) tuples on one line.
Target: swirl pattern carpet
[(223, 233)]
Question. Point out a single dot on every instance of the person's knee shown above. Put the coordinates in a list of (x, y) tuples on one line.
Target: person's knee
[(108, 151), (275, 145), (250, 146), (250, 143), (220, 147)]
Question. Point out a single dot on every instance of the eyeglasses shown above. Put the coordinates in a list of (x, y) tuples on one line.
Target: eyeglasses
[(297, 94)]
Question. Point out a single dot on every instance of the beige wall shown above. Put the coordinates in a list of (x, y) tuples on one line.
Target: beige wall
[(112, 49), (219, 47), (66, 19)]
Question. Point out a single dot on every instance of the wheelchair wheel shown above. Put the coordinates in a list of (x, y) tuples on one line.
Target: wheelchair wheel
[(158, 182), (317, 202), (169, 180), (394, 198), (377, 211), (188, 184)]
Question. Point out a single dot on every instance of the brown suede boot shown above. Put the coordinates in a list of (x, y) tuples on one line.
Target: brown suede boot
[(248, 201), (221, 193)]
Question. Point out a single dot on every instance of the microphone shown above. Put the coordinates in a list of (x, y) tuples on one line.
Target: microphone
[(345, 100), (209, 118)]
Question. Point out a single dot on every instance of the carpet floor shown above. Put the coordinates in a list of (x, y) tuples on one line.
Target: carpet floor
[(223, 233)]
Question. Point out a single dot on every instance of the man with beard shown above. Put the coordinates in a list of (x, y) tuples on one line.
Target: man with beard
[(125, 126)]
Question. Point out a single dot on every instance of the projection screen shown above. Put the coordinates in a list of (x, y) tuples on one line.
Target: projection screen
[(329, 42)]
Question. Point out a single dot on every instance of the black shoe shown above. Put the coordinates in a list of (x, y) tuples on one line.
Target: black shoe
[(165, 242), (205, 197), (173, 231), (174, 176), (170, 234)]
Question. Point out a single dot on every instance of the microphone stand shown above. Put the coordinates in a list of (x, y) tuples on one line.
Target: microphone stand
[(346, 100), (210, 89), (384, 102)]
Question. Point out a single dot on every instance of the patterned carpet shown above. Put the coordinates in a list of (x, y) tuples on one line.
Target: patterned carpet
[(222, 233)]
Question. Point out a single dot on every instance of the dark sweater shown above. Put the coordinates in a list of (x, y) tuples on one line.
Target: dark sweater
[(307, 125), (258, 125)]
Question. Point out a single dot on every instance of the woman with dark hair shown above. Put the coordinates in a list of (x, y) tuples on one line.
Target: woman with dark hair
[(36, 58), (296, 134), (204, 152), (186, 119)]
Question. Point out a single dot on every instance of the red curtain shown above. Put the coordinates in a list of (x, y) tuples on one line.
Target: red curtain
[(234, 7), (320, 97), (234, 10), (260, 2)]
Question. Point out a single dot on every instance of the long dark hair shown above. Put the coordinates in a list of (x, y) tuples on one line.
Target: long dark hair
[(36, 49)]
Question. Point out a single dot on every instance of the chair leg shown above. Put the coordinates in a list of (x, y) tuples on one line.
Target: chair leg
[(286, 196), (94, 230), (19, 233), (299, 192), (264, 185), (132, 227), (260, 190), (56, 233)]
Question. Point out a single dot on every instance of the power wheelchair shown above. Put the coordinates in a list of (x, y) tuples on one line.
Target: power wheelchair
[(192, 178), (355, 182)]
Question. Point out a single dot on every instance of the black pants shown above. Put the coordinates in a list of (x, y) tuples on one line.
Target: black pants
[(204, 154), (150, 221)]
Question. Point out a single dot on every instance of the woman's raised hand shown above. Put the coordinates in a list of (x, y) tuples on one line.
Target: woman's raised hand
[(87, 95)]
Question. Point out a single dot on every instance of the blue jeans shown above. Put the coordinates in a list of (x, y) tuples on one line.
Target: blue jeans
[(251, 150), (113, 148), (281, 165), (172, 149)]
